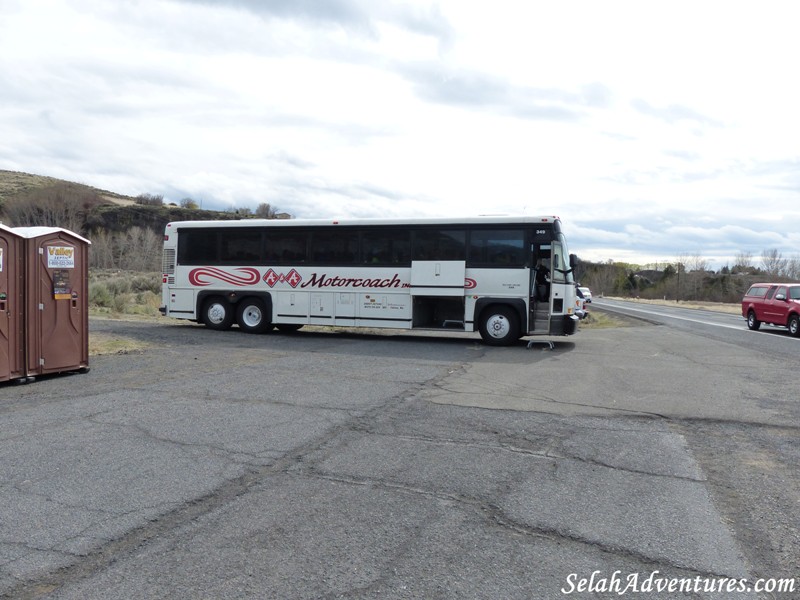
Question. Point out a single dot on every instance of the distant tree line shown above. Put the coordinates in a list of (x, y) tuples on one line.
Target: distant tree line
[(263, 211), (688, 277)]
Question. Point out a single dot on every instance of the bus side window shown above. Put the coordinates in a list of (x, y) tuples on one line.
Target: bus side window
[(240, 247), (452, 245), (385, 247), (286, 247), (439, 244), (497, 247), (334, 247), (198, 247)]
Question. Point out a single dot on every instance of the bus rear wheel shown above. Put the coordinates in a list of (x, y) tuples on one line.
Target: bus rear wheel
[(217, 313), (499, 326), (252, 316)]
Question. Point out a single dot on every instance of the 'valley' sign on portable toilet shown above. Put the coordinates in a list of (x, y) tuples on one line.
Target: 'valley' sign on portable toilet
[(12, 359), (56, 300)]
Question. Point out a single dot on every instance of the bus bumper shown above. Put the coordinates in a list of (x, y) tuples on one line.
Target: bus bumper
[(570, 324)]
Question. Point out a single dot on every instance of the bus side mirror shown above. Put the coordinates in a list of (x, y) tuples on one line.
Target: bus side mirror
[(573, 261)]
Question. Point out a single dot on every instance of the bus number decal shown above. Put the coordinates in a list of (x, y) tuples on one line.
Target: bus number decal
[(205, 276)]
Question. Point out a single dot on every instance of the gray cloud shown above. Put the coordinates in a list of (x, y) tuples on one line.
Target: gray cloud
[(776, 175), (674, 113), (431, 82), (353, 15), (474, 89), (714, 238)]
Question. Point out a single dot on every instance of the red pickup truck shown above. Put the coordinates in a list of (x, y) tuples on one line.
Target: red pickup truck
[(773, 303)]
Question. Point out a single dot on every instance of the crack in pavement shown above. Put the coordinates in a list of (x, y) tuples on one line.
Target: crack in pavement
[(497, 515)]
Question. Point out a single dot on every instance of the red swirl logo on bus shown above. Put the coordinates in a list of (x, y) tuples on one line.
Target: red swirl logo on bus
[(206, 276), (470, 284)]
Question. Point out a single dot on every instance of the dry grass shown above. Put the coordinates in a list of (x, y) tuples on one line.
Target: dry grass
[(600, 320), (12, 182), (106, 343)]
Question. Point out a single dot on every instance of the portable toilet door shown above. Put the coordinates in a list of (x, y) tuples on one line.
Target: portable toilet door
[(56, 300), (12, 358)]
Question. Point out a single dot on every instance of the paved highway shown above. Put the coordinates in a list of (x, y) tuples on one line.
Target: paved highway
[(724, 326)]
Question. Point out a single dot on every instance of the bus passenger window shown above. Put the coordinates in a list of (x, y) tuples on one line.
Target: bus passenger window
[(439, 244), (334, 247), (285, 247), (197, 247), (240, 247), (493, 247), (385, 247)]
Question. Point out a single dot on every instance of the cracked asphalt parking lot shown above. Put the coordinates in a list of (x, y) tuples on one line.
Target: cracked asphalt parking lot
[(340, 465)]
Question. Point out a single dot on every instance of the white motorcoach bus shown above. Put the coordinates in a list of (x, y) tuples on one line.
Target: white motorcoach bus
[(506, 277)]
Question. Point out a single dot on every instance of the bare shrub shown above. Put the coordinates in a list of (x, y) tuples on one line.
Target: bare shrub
[(62, 205)]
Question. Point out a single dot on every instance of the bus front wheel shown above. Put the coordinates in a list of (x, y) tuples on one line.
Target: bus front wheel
[(217, 313), (499, 326), (252, 316)]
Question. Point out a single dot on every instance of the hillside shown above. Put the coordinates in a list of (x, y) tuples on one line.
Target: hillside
[(15, 183), (126, 233), (27, 199)]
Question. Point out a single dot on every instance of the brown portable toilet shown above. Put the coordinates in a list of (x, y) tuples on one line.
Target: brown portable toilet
[(12, 359), (56, 300)]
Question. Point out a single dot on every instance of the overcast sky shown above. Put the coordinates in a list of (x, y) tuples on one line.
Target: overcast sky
[(653, 129)]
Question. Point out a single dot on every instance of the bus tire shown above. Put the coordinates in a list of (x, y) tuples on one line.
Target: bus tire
[(252, 317), (499, 325), (217, 313)]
